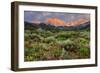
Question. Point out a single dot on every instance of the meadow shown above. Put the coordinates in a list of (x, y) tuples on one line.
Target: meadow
[(45, 44)]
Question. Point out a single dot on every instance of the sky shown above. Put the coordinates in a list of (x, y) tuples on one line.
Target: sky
[(41, 16)]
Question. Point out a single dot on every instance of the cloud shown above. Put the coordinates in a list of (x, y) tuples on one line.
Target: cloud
[(66, 17), (46, 13)]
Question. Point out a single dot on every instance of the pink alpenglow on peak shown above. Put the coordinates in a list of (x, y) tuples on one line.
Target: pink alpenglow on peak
[(77, 22), (55, 22), (59, 22)]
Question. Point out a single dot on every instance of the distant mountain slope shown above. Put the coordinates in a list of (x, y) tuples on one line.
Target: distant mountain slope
[(52, 26), (79, 27)]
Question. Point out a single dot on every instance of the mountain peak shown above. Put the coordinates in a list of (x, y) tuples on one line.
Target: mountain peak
[(59, 22), (77, 22), (55, 21)]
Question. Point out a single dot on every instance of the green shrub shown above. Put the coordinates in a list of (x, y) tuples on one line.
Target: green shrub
[(84, 52), (50, 40)]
